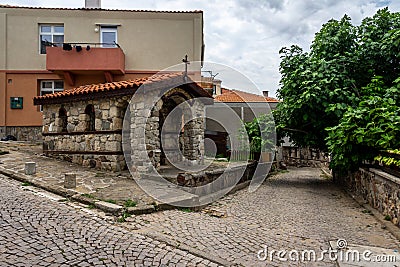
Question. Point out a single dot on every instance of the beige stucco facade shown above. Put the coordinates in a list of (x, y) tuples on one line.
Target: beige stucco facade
[(150, 41)]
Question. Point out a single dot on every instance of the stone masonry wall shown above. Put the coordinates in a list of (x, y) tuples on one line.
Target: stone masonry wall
[(23, 133), (295, 156), (381, 190), (84, 147), (109, 114)]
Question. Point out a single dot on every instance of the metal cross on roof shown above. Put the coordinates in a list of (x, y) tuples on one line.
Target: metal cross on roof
[(187, 62)]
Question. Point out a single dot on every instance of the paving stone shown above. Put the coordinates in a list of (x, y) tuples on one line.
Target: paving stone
[(295, 210), (60, 235)]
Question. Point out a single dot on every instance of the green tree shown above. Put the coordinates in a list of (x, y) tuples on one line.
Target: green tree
[(332, 82), (365, 130), (316, 87), (260, 133)]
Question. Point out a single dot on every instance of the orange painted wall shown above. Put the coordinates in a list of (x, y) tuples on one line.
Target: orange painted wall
[(97, 59), (27, 84), (2, 99)]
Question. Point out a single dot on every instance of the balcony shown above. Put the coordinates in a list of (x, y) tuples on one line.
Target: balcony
[(109, 61)]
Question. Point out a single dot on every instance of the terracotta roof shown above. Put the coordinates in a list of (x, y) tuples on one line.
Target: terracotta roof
[(99, 9), (117, 88), (237, 96), (271, 99)]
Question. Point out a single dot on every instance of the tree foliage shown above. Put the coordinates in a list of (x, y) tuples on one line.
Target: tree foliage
[(372, 126), (323, 89), (260, 133)]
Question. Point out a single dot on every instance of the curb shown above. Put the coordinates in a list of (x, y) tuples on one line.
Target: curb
[(67, 193), (101, 205), (388, 225)]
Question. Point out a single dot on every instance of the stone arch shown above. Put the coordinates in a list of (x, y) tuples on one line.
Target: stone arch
[(90, 118), (187, 141)]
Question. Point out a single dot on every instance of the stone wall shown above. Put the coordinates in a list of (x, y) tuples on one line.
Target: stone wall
[(380, 189), (295, 156), (68, 134), (2, 131), (99, 147), (23, 133)]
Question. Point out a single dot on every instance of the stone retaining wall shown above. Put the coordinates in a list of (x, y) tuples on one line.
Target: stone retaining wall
[(295, 156), (202, 178), (380, 189), (23, 133)]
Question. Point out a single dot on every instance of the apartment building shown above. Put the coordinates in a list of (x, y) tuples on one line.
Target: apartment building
[(47, 50)]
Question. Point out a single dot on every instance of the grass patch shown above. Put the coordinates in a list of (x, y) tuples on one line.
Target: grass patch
[(112, 201), (130, 203), (123, 217), (186, 209), (91, 206), (388, 218), (26, 184), (88, 196)]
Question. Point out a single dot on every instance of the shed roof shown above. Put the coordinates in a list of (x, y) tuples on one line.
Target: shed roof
[(121, 88)]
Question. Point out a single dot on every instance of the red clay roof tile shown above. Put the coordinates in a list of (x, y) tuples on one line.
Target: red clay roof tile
[(114, 86), (237, 96)]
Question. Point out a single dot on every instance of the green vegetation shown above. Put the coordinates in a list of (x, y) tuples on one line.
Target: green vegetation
[(130, 203), (88, 196), (186, 209), (26, 184), (367, 212), (112, 201), (123, 217), (389, 160), (343, 96), (260, 133)]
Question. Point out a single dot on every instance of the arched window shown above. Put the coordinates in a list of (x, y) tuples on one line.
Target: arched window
[(90, 118), (63, 119)]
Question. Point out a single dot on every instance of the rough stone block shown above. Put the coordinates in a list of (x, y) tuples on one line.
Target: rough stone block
[(30, 168), (70, 181), (114, 112)]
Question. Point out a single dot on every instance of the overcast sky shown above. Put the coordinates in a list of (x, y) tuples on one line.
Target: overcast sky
[(248, 34)]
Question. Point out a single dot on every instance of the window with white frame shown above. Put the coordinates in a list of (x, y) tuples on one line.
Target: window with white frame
[(50, 34), (108, 36), (50, 87)]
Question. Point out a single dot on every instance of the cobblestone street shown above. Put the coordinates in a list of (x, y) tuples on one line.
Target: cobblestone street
[(298, 210), (36, 231)]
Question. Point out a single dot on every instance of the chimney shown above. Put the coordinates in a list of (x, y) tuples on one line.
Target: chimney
[(93, 4), (265, 93)]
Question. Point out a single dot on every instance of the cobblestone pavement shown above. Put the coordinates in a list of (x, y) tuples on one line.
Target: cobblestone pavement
[(36, 231), (297, 210), (103, 185)]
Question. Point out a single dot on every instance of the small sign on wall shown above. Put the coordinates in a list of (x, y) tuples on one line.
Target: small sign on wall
[(17, 102)]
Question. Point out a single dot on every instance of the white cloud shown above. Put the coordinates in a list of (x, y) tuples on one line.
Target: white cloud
[(248, 34)]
